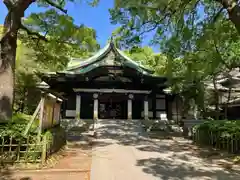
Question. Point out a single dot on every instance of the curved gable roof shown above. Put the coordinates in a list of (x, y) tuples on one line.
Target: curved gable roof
[(93, 62)]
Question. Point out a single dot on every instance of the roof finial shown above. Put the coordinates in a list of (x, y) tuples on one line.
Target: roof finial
[(112, 41)]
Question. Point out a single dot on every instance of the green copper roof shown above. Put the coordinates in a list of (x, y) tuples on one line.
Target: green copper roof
[(108, 56)]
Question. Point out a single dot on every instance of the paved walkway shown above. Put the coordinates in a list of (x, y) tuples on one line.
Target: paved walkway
[(123, 152)]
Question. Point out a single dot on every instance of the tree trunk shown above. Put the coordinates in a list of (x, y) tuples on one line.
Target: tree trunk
[(8, 46), (233, 10), (7, 65)]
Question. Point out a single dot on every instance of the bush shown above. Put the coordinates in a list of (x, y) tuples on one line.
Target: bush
[(16, 126), (12, 133), (225, 127), (223, 134)]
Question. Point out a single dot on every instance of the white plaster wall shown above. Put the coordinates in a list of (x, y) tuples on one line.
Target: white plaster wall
[(70, 113)]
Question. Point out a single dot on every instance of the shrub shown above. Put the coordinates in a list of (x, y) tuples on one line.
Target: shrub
[(223, 134), (12, 133)]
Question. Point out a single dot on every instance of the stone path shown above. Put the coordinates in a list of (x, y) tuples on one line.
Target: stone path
[(123, 152)]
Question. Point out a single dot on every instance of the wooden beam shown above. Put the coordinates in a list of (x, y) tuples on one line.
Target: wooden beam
[(112, 91), (41, 118), (33, 118)]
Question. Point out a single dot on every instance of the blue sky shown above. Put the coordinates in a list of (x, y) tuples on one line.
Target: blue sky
[(97, 18)]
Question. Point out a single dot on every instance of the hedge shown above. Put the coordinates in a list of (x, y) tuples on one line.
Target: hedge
[(222, 134)]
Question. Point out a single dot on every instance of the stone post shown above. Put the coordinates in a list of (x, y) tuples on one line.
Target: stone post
[(95, 106), (146, 108), (78, 106), (130, 97)]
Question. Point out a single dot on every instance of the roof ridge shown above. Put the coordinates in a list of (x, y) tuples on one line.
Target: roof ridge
[(102, 52), (91, 59)]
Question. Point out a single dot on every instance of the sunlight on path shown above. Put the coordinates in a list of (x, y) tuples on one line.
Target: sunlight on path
[(123, 152)]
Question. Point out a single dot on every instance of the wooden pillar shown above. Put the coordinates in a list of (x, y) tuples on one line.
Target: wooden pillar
[(146, 108), (78, 106), (130, 97), (95, 106)]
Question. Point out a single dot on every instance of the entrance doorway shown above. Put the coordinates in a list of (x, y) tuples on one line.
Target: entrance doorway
[(112, 106)]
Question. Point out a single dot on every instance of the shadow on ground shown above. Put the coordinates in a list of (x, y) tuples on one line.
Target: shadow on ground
[(168, 157), (7, 174), (167, 169), (77, 132)]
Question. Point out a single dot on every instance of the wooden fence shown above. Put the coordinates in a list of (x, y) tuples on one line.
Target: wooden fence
[(27, 150), (217, 140)]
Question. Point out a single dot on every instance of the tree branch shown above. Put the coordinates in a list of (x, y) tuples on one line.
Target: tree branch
[(29, 32), (8, 4), (148, 30), (217, 15), (220, 56), (155, 24), (57, 6)]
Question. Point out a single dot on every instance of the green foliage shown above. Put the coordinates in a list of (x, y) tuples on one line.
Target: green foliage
[(27, 95), (224, 127), (194, 36), (166, 18), (13, 132), (145, 56), (222, 134), (53, 40), (64, 39), (16, 127)]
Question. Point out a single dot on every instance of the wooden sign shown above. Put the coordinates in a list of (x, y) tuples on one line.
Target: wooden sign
[(51, 112), (47, 113), (56, 114)]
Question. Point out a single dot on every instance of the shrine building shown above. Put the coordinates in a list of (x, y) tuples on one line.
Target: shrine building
[(110, 85)]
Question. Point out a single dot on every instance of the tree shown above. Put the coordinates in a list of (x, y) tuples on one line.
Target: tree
[(202, 58), (48, 32), (167, 17), (148, 58), (195, 36)]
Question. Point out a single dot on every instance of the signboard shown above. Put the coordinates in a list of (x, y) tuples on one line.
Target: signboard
[(47, 113), (56, 113), (50, 112)]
